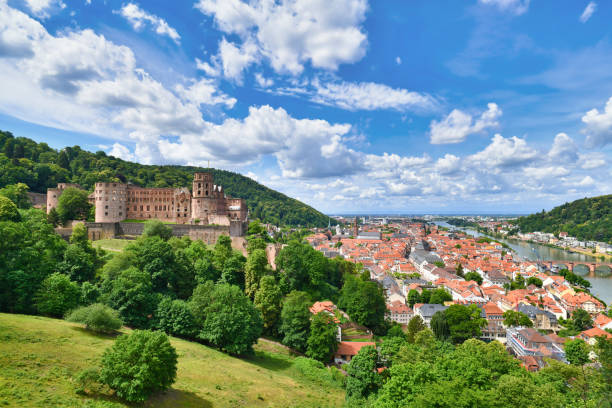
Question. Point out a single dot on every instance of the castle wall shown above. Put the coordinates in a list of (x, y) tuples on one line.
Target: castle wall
[(53, 194)]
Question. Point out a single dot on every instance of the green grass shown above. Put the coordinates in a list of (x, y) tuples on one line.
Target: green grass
[(40, 358), (116, 245)]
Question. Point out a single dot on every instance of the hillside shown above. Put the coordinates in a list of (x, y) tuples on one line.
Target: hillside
[(585, 219), (40, 358), (40, 167)]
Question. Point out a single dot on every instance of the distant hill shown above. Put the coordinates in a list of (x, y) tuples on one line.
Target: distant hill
[(40, 167), (41, 357), (588, 219)]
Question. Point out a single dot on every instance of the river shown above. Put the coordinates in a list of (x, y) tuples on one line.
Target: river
[(600, 286)]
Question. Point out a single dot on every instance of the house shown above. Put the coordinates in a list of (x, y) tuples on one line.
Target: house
[(426, 311), (590, 336), (330, 309), (349, 349), (399, 312), (526, 341), (495, 329), (542, 319), (602, 321)]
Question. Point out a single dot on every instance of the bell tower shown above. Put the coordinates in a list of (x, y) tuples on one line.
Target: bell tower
[(202, 185)]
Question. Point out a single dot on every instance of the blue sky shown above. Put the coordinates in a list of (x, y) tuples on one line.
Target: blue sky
[(350, 105)]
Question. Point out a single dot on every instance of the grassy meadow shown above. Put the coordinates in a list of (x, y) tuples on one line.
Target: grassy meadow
[(40, 358)]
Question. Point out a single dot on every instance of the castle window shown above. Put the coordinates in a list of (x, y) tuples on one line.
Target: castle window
[(199, 192), (199, 185), (105, 213), (106, 207), (120, 213), (148, 208)]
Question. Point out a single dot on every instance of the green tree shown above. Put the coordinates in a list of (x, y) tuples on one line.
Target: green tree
[(415, 325), (77, 264), (581, 320), (459, 269), (222, 252), (365, 303), (139, 364), (295, 320), (18, 194), (532, 280), (603, 349), (229, 320), (577, 353), (155, 257), (396, 331), (268, 299), (156, 228), (362, 378), (53, 217), (8, 210), (97, 317), (174, 317), (57, 295), (464, 322), (233, 270), (73, 204), (255, 269), (439, 296), (413, 297), (322, 341), (513, 318), (131, 293), (473, 276), (439, 326)]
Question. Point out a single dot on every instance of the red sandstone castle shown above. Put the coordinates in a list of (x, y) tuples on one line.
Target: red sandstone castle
[(206, 204)]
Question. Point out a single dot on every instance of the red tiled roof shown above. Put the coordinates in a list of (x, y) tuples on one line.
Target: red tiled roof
[(351, 348)]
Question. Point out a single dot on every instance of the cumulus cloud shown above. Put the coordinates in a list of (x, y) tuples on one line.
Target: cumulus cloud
[(598, 126), (121, 152), (289, 34), (139, 18), (41, 8), (588, 12), (516, 7), (504, 152), (563, 150), (458, 125)]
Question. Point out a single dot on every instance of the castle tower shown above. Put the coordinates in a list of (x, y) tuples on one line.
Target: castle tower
[(202, 202), (110, 202)]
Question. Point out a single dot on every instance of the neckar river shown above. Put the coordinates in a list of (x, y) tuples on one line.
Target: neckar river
[(601, 286)]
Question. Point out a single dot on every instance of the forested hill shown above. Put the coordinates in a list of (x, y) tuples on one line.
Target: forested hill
[(586, 219), (40, 167)]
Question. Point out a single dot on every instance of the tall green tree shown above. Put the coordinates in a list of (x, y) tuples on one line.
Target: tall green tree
[(8, 210), (268, 299), (229, 321), (362, 378), (439, 326), (57, 295), (365, 303), (464, 322), (581, 320), (295, 320), (322, 341), (18, 194), (415, 325), (513, 318), (255, 269)]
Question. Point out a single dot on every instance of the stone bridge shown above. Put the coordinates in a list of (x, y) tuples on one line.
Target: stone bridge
[(595, 268)]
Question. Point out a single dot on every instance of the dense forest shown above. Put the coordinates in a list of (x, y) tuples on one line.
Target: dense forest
[(588, 219), (40, 167)]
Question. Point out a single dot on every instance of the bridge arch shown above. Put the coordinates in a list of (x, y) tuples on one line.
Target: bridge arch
[(581, 269), (603, 270)]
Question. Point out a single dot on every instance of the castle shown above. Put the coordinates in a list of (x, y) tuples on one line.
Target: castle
[(205, 205)]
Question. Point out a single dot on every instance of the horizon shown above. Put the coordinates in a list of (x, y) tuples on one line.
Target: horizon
[(471, 108)]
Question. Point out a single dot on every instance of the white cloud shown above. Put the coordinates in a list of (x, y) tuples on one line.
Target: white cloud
[(598, 126), (448, 164), (516, 7), (588, 12), (563, 150), (504, 152), (204, 92), (262, 81), (41, 8), (139, 18), (291, 33), (370, 96), (458, 125), (121, 152), (398, 60)]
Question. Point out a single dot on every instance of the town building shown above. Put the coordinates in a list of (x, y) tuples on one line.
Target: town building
[(349, 349), (426, 311), (526, 341), (398, 312)]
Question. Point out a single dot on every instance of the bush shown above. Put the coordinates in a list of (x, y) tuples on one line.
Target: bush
[(156, 228), (88, 382), (316, 371), (97, 317), (139, 364), (57, 295)]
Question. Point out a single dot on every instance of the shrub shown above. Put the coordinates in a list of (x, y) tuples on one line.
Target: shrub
[(139, 364), (57, 295), (156, 228), (97, 317), (88, 382)]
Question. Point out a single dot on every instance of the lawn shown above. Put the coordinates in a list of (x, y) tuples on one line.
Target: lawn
[(40, 358), (115, 245)]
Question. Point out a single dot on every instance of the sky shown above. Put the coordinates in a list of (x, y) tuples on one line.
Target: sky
[(394, 106)]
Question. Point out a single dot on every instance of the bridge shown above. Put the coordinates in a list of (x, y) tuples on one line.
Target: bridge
[(594, 268)]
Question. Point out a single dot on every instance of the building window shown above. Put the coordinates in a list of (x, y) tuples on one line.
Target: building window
[(106, 207), (105, 213)]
